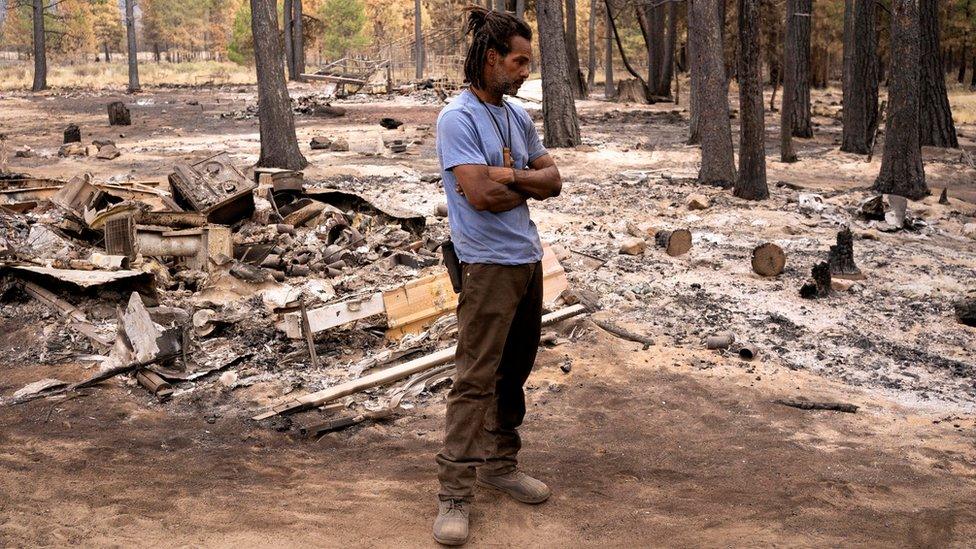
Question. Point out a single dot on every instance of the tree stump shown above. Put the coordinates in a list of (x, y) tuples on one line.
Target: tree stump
[(118, 114), (768, 259), (631, 91), (675, 243), (72, 134), (819, 286), (944, 197), (841, 257), (966, 311)]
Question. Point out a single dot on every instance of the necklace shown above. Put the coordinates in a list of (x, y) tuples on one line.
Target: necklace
[(506, 150)]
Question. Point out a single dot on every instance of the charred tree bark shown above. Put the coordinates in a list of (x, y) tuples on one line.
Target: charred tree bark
[(608, 89), (591, 48), (130, 34), (669, 45), (286, 14), (795, 113), (860, 76), (40, 51), (901, 166), (694, 128), (558, 106), (279, 144), (572, 52), (751, 181), (520, 9), (418, 37), (708, 76), (298, 40), (972, 82), (651, 21), (935, 116)]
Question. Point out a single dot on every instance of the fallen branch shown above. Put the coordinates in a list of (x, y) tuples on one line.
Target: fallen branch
[(314, 400), (811, 405), (624, 333)]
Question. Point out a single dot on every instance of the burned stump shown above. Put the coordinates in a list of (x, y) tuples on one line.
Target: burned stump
[(72, 134), (675, 243), (944, 197), (819, 285), (966, 311), (841, 257), (118, 114), (768, 259)]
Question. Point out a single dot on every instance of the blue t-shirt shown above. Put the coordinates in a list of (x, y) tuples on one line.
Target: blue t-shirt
[(466, 135)]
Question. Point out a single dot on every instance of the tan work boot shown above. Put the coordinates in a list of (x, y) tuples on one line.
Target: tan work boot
[(451, 524), (517, 484)]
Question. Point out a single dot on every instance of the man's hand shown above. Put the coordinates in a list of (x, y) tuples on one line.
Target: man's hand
[(540, 182), (483, 192), (500, 174)]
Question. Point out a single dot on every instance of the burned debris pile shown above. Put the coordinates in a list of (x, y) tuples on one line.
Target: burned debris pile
[(215, 279)]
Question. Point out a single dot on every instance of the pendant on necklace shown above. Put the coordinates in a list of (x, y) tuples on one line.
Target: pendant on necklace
[(507, 156)]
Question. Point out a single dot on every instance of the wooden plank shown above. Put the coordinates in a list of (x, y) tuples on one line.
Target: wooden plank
[(553, 276), (406, 369), (415, 306), (80, 321), (333, 315)]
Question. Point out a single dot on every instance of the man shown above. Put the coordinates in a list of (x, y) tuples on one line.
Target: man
[(492, 163)]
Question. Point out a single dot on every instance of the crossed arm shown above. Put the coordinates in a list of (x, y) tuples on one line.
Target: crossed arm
[(498, 189)]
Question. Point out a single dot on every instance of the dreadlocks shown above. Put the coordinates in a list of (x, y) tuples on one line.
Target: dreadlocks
[(490, 30)]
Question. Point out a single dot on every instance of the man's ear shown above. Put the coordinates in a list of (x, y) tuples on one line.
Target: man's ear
[(492, 57)]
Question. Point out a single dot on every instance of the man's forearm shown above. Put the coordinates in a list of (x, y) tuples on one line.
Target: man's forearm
[(538, 184)]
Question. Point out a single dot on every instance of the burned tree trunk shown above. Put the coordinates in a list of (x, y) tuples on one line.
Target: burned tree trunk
[(40, 51), (279, 144), (901, 166), (841, 257), (572, 52), (558, 107), (591, 48), (708, 76), (791, 60), (418, 37), (796, 67), (860, 76), (670, 44), (608, 89), (286, 15), (130, 34), (935, 116), (751, 181), (298, 40), (520, 9), (118, 114), (819, 284)]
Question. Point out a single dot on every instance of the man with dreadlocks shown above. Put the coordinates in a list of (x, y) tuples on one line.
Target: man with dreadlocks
[(492, 163)]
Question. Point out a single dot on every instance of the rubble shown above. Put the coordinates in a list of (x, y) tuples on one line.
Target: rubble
[(335, 144), (633, 246)]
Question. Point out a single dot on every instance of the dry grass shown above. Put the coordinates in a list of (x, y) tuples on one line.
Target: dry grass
[(115, 75), (963, 103)]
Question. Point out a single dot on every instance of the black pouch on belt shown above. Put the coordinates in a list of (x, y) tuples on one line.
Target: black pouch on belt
[(452, 263)]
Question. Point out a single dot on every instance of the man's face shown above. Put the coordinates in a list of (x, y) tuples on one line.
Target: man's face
[(507, 74)]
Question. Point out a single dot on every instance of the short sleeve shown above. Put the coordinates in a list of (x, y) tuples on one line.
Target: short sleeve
[(458, 141), (533, 145)]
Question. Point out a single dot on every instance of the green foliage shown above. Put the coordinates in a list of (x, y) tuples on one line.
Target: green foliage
[(344, 22), (241, 47)]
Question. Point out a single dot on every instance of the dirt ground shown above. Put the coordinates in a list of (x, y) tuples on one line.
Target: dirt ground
[(672, 445)]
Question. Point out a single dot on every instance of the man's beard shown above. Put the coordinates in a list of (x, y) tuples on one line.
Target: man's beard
[(507, 87)]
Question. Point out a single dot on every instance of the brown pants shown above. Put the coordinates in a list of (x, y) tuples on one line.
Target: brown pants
[(499, 324)]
